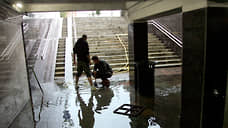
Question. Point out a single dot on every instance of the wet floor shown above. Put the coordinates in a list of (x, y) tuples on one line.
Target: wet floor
[(67, 108)]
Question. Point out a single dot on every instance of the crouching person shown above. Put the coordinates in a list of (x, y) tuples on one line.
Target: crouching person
[(102, 70)]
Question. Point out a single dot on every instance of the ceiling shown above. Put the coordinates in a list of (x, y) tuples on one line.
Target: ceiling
[(68, 1), (68, 5)]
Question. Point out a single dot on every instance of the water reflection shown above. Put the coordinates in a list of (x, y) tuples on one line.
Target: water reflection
[(87, 118), (88, 109), (103, 98), (86, 113)]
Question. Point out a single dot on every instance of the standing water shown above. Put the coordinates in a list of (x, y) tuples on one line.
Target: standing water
[(69, 108)]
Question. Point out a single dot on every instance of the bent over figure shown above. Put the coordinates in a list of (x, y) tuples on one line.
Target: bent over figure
[(102, 70)]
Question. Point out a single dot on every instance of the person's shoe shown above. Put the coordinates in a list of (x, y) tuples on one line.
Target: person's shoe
[(93, 88)]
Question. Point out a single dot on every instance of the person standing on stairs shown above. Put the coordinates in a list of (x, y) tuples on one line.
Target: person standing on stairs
[(81, 48)]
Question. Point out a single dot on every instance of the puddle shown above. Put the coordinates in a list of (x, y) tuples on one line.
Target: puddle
[(86, 109)]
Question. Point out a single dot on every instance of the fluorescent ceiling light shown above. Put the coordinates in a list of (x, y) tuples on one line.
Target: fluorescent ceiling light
[(19, 5)]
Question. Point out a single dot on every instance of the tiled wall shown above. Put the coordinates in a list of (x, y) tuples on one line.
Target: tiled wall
[(14, 89)]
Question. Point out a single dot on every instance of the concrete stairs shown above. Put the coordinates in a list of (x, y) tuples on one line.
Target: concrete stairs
[(107, 39), (113, 53), (60, 57), (161, 54), (103, 41)]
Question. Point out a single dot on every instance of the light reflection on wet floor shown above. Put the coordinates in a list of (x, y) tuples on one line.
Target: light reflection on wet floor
[(68, 108)]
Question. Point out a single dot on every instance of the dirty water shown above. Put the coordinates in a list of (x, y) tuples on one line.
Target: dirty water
[(65, 107)]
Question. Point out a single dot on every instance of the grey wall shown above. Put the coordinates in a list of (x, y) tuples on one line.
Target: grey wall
[(14, 89)]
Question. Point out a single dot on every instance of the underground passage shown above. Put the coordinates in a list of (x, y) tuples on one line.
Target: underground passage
[(113, 63)]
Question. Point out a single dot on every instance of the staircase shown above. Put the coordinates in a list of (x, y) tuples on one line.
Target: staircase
[(103, 40), (107, 39), (161, 54), (60, 57)]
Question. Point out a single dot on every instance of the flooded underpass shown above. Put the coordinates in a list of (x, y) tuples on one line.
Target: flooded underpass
[(159, 48), (62, 106), (68, 108)]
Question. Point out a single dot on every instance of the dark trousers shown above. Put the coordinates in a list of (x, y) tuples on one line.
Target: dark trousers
[(103, 76)]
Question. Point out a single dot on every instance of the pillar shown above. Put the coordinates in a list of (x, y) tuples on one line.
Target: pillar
[(138, 52), (204, 79), (226, 107)]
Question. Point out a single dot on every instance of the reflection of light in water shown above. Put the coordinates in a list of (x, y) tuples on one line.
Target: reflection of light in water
[(167, 91), (152, 123)]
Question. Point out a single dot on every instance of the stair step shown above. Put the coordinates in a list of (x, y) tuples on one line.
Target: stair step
[(122, 60), (155, 44), (61, 56), (163, 57), (108, 53), (113, 69), (59, 69), (93, 40), (100, 47), (60, 60), (60, 64), (60, 53), (110, 60), (59, 77), (159, 50), (59, 74), (157, 47), (168, 61), (154, 41), (120, 50), (168, 65), (110, 57), (62, 41), (62, 47), (109, 43), (161, 53), (113, 65), (61, 50)]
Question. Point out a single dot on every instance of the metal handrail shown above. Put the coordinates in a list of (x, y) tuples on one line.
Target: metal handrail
[(167, 33), (125, 49)]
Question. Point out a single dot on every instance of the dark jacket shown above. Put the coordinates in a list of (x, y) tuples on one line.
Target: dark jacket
[(81, 48), (103, 67)]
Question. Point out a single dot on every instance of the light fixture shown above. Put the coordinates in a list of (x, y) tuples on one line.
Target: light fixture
[(19, 5)]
